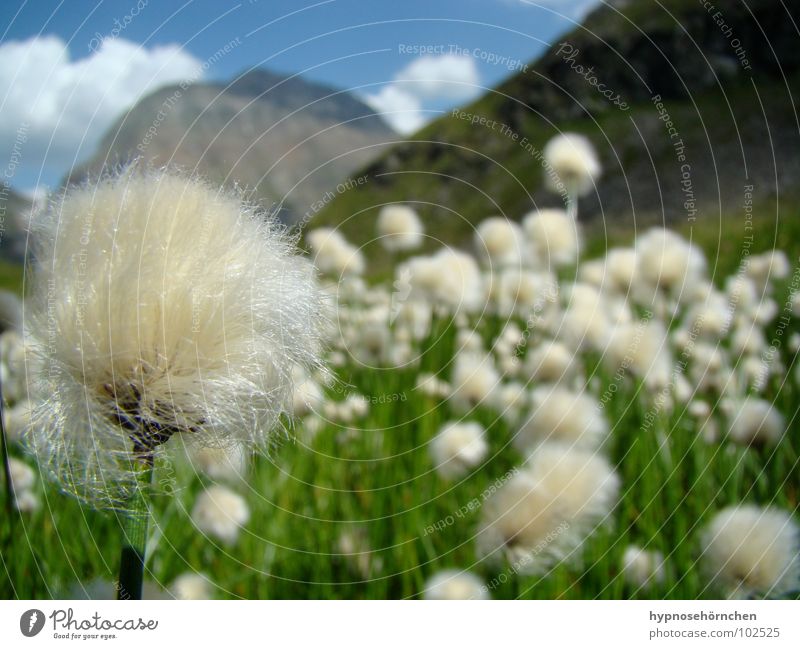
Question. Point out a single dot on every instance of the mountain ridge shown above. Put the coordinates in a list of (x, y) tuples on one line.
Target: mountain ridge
[(739, 126), (285, 139)]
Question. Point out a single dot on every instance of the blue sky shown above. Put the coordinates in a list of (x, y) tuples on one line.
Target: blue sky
[(91, 60)]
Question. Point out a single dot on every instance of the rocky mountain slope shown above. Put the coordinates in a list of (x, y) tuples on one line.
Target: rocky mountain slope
[(286, 139)]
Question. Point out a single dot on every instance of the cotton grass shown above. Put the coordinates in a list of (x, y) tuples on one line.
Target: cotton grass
[(179, 310), (751, 551)]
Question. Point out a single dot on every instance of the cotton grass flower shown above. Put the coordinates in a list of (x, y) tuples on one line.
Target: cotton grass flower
[(559, 414), (547, 510), (23, 484), (458, 447), (449, 280), (333, 254), (13, 356), (455, 584), (220, 513), (573, 163), (222, 463), (620, 266), (642, 568), (177, 310), (499, 242), (666, 261), (191, 586), (17, 420), (756, 422), (551, 362), (553, 236), (752, 551), (399, 228), (474, 381)]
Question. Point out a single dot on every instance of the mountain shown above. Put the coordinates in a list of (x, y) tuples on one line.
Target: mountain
[(688, 103), (288, 140)]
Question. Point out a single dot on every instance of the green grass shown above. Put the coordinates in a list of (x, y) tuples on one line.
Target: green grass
[(380, 483)]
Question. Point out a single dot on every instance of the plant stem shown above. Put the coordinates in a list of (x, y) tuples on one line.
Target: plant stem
[(135, 520)]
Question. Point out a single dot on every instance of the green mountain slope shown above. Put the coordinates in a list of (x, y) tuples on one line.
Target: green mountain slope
[(675, 65)]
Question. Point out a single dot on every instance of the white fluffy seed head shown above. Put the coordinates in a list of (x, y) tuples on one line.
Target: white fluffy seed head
[(333, 254), (191, 586), (547, 509), (553, 237), (474, 380), (23, 477), (666, 261), (524, 292), (573, 162), (448, 279), (162, 307), (499, 242), (642, 568), (400, 228), (13, 359), (582, 482), (17, 420), (455, 584), (221, 463), (621, 268), (221, 513), (642, 348), (518, 520), (559, 414), (756, 422), (768, 267), (593, 272), (307, 397), (551, 362), (749, 550), (458, 447)]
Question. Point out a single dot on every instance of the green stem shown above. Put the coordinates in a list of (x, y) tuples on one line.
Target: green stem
[(135, 520)]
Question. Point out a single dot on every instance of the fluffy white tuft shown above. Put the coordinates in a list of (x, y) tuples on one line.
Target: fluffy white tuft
[(220, 513), (333, 254), (546, 511), (666, 261), (399, 228), (449, 279), (163, 307), (474, 380), (191, 586), (573, 163), (559, 414), (749, 550), (455, 584), (553, 236), (499, 242), (641, 568), (756, 422), (458, 447)]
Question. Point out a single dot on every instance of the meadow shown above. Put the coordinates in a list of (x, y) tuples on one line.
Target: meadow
[(661, 371)]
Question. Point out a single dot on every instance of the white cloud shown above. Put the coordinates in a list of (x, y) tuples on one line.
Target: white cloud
[(427, 79), (401, 110), (65, 106), (441, 77)]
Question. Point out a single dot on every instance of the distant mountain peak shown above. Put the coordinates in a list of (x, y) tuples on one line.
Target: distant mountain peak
[(288, 139)]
